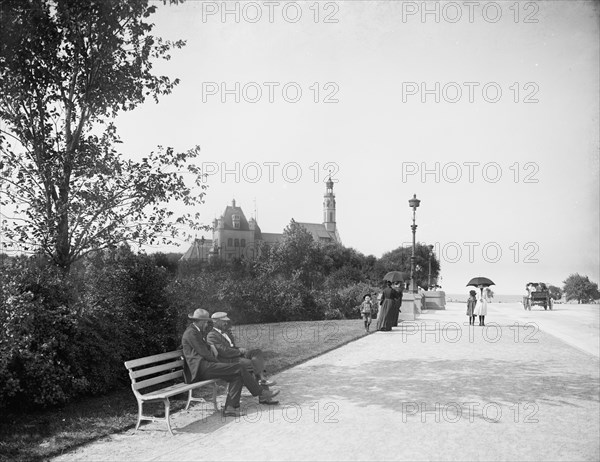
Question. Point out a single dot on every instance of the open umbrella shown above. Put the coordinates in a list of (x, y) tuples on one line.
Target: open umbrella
[(395, 276), (481, 281)]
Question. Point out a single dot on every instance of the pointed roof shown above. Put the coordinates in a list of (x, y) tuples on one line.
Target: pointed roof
[(227, 217)]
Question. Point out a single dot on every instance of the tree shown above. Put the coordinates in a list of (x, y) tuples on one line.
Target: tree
[(297, 256), (399, 259), (556, 293), (580, 288), (66, 69)]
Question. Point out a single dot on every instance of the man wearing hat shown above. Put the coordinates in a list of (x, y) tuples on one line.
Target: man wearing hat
[(201, 364), (222, 339)]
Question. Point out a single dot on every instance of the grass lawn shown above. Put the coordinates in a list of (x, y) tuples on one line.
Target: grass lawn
[(38, 436)]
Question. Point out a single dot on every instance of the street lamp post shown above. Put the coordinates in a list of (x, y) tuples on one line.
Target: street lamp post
[(429, 273), (414, 204)]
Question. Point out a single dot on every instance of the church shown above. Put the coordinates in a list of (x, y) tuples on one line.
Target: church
[(234, 236)]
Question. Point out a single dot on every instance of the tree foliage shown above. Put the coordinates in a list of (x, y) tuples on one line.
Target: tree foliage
[(399, 260), (67, 68), (580, 288), (556, 293)]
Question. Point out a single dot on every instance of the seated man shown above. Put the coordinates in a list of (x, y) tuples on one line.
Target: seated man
[(201, 364), (222, 339)]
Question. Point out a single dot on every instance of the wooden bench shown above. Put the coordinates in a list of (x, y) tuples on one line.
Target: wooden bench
[(157, 369)]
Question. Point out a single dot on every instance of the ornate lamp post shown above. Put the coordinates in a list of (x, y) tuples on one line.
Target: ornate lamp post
[(414, 204)]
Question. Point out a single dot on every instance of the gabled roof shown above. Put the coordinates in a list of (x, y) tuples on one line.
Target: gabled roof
[(319, 232)]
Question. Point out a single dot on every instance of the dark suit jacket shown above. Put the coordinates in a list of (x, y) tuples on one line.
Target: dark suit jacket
[(195, 351), (226, 351)]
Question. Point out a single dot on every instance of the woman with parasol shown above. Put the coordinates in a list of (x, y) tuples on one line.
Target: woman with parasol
[(389, 302)]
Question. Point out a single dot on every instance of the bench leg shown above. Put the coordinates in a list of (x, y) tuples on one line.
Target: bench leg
[(139, 421), (214, 396), (189, 400), (167, 415)]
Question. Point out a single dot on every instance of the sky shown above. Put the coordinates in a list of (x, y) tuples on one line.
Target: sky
[(487, 112)]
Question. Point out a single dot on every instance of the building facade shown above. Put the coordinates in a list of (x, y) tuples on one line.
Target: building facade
[(234, 236)]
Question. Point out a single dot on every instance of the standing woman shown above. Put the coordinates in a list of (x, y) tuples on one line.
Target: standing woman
[(395, 311), (388, 298), (481, 306)]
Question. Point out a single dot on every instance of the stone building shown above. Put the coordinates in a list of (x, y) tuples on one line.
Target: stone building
[(234, 236)]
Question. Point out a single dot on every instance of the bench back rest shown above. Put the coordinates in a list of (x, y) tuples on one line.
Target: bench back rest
[(152, 370)]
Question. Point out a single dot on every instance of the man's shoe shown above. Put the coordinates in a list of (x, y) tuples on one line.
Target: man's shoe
[(267, 395), (269, 402), (232, 412), (267, 383)]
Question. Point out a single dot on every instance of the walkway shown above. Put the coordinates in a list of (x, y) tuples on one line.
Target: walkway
[(430, 390)]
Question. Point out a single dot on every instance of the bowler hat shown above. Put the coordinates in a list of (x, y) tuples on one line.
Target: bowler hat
[(220, 316), (200, 315)]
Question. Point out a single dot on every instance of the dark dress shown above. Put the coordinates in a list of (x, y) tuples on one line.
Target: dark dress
[(396, 310), (388, 308)]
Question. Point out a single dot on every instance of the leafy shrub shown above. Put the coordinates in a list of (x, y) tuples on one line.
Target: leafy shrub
[(35, 336)]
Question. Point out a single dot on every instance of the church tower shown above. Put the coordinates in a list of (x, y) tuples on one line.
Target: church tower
[(329, 207)]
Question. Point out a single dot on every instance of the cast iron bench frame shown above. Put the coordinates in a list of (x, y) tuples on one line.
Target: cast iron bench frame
[(162, 368)]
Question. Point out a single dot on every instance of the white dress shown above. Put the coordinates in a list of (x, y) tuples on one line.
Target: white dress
[(482, 301)]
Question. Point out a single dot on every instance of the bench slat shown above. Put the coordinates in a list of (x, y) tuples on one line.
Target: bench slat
[(175, 390), (155, 380), (155, 369), (153, 359)]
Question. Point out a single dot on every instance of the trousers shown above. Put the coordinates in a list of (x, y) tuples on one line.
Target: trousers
[(236, 374)]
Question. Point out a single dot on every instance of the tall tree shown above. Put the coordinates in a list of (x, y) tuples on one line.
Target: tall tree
[(297, 256), (580, 288), (67, 68), (399, 260)]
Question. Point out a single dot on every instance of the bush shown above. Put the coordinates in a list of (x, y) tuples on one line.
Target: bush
[(64, 335), (35, 338)]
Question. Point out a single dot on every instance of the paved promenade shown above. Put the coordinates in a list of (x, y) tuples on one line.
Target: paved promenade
[(433, 389)]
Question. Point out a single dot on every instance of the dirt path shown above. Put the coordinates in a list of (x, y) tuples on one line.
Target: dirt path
[(430, 390)]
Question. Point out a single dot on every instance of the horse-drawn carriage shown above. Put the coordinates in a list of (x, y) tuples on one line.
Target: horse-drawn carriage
[(538, 294)]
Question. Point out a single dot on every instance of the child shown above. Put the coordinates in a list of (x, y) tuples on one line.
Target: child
[(471, 302), (366, 311)]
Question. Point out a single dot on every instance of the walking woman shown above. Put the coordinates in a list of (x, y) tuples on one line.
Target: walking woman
[(481, 306), (387, 305)]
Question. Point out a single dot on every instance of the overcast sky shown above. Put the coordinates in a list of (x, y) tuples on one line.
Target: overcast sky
[(487, 112)]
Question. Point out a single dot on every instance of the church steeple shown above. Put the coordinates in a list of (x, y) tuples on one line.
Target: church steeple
[(329, 206)]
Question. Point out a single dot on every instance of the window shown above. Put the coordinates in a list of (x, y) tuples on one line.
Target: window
[(236, 221), (236, 243), (230, 242), (243, 243)]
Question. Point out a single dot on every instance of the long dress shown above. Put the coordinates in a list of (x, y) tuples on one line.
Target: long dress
[(482, 301), (396, 310), (386, 311)]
